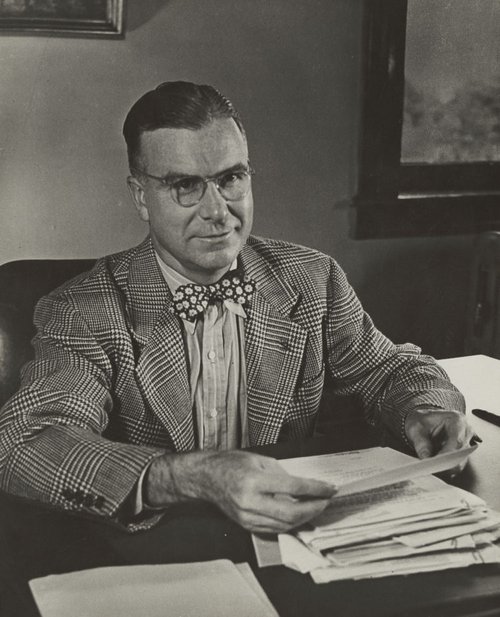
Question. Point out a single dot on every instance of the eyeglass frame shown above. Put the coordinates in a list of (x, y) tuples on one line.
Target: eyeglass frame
[(249, 171)]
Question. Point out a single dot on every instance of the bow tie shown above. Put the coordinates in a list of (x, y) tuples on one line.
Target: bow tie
[(190, 301)]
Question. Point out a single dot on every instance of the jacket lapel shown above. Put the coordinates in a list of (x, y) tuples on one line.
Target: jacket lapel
[(161, 368), (274, 349)]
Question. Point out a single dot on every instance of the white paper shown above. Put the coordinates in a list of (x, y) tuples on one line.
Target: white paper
[(267, 550), (427, 531), (409, 565), (415, 469), (390, 549), (211, 589), (366, 529), (437, 535), (378, 470), (418, 496), (296, 555), (246, 572)]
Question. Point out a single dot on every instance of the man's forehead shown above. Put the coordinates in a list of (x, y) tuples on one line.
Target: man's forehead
[(220, 142)]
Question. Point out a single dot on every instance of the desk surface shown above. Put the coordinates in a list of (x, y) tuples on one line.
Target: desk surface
[(35, 542)]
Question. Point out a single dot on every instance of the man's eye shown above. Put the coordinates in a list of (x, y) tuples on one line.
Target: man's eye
[(231, 178), (186, 185)]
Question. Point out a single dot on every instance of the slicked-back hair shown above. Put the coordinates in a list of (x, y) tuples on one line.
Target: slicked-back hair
[(176, 105)]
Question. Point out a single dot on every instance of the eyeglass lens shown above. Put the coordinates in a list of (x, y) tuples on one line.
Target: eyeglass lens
[(232, 186)]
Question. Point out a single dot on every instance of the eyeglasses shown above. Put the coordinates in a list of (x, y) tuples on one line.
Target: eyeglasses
[(233, 184)]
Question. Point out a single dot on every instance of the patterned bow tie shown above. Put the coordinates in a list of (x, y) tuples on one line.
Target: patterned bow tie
[(190, 301)]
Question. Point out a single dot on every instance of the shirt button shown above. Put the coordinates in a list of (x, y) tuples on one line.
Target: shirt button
[(211, 354), (212, 413)]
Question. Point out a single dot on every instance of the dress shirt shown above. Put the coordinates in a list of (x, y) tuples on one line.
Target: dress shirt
[(216, 366), (214, 347)]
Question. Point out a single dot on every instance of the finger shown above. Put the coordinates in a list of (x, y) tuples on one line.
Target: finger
[(294, 512), (454, 435), (278, 516), (299, 487), (422, 443)]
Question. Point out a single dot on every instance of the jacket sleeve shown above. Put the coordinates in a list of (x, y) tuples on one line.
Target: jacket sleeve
[(389, 379), (51, 444)]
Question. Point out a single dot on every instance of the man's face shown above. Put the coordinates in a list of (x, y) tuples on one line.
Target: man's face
[(199, 241)]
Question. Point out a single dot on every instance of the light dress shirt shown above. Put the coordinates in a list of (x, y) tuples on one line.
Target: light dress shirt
[(214, 346)]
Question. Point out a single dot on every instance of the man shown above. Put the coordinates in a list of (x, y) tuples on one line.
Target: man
[(150, 374)]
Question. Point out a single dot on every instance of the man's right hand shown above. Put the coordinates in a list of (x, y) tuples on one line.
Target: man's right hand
[(253, 490)]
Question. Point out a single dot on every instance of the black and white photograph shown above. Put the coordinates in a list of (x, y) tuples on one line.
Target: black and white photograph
[(250, 308)]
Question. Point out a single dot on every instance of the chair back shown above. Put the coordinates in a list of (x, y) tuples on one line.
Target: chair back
[(22, 284), (483, 320)]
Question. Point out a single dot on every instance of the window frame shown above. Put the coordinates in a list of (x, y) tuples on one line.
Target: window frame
[(404, 200)]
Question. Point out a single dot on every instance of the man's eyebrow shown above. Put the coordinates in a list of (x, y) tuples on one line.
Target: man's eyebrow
[(172, 176)]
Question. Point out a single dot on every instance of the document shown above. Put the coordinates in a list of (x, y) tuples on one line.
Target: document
[(390, 517), (211, 589), (378, 473)]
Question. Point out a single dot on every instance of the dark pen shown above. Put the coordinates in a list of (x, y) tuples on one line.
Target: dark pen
[(487, 415)]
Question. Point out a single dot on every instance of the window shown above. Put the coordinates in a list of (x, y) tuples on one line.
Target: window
[(430, 140)]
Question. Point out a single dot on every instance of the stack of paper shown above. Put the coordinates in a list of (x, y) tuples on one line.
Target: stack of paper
[(211, 589), (379, 524)]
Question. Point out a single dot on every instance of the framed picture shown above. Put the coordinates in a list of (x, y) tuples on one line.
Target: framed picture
[(102, 18), (430, 138)]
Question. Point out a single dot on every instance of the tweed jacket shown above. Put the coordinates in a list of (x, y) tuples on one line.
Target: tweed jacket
[(108, 389)]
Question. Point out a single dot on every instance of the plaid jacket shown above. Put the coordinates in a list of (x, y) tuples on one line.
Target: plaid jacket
[(109, 387)]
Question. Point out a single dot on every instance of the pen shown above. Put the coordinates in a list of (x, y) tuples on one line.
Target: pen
[(487, 415)]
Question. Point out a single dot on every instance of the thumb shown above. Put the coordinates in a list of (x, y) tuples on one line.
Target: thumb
[(422, 444)]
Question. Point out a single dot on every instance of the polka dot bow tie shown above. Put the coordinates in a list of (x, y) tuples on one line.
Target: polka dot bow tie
[(190, 301)]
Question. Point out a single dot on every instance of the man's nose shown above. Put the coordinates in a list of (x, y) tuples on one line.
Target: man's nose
[(213, 206)]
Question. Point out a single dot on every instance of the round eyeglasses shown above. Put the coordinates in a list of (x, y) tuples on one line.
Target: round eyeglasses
[(233, 184)]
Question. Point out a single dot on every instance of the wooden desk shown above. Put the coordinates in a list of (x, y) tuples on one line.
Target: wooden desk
[(35, 542)]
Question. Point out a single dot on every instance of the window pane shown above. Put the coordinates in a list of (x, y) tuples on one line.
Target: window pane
[(452, 82)]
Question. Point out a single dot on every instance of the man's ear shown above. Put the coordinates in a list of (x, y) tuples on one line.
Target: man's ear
[(138, 197)]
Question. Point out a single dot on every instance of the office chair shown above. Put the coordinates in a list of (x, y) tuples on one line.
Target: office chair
[(22, 284)]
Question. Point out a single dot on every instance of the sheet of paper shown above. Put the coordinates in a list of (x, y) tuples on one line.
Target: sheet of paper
[(381, 551), (211, 589), (378, 472), (418, 496), (409, 565), (443, 528), (344, 467), (298, 556), (492, 521), (246, 572), (267, 550)]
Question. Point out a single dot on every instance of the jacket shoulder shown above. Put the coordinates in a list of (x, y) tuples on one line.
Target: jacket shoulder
[(290, 259)]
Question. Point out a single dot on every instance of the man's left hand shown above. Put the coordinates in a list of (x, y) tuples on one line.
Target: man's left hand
[(433, 431)]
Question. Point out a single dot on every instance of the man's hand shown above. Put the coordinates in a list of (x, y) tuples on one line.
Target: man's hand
[(253, 490), (432, 431)]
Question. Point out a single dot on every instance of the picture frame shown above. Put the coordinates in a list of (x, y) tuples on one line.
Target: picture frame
[(78, 18)]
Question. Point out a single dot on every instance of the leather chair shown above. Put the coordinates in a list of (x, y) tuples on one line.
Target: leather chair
[(483, 313), (22, 284)]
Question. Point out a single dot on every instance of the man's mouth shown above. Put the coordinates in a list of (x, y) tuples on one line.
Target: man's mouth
[(220, 235)]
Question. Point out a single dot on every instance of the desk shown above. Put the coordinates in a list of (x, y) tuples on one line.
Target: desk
[(35, 542)]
